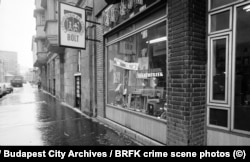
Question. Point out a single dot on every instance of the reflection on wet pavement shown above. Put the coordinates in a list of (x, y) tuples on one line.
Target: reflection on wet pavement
[(30, 117)]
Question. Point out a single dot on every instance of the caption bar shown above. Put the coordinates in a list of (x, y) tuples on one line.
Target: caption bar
[(122, 153)]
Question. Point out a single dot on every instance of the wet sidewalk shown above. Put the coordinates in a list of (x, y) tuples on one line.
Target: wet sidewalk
[(31, 117)]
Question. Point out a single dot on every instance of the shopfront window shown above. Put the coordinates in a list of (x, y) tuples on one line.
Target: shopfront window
[(136, 71), (242, 70)]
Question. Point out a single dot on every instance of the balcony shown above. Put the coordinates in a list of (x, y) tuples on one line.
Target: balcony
[(40, 33), (38, 3), (41, 53), (51, 31), (41, 59), (38, 11)]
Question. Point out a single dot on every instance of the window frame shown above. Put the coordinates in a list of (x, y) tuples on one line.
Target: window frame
[(218, 12), (216, 126), (210, 100)]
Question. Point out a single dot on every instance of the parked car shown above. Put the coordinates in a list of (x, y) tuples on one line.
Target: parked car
[(3, 91), (9, 88)]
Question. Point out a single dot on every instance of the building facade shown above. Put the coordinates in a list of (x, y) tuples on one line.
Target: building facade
[(35, 70), (164, 72), (10, 62), (2, 71), (61, 69)]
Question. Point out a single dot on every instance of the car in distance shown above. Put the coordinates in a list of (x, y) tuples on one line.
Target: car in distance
[(17, 81)]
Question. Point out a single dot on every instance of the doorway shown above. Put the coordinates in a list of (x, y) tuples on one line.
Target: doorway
[(78, 92), (54, 87)]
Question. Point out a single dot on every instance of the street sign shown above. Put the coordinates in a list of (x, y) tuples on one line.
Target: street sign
[(71, 24)]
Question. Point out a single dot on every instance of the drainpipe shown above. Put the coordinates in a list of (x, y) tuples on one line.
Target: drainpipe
[(95, 65), (95, 74)]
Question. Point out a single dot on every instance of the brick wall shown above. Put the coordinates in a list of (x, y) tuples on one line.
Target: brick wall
[(186, 72)]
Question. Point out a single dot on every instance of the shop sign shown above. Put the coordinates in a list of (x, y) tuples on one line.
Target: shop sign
[(149, 75), (152, 73), (125, 65), (71, 26)]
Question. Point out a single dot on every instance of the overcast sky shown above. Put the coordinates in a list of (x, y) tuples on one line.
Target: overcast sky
[(17, 26)]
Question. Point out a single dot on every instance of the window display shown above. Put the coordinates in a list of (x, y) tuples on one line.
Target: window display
[(136, 73)]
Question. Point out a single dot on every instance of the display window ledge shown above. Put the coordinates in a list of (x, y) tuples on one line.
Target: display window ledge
[(130, 110)]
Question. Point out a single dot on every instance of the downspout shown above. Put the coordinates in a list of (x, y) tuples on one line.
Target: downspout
[(94, 66), (95, 74)]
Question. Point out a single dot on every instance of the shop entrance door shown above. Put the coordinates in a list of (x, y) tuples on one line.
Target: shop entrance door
[(78, 91)]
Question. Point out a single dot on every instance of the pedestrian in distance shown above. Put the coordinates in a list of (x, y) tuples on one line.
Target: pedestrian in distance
[(39, 84)]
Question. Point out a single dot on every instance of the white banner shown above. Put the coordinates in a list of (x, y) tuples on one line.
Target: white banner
[(125, 65)]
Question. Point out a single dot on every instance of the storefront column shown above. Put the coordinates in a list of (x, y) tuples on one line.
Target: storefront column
[(186, 96)]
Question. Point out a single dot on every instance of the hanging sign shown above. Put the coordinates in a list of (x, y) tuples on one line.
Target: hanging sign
[(71, 26)]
